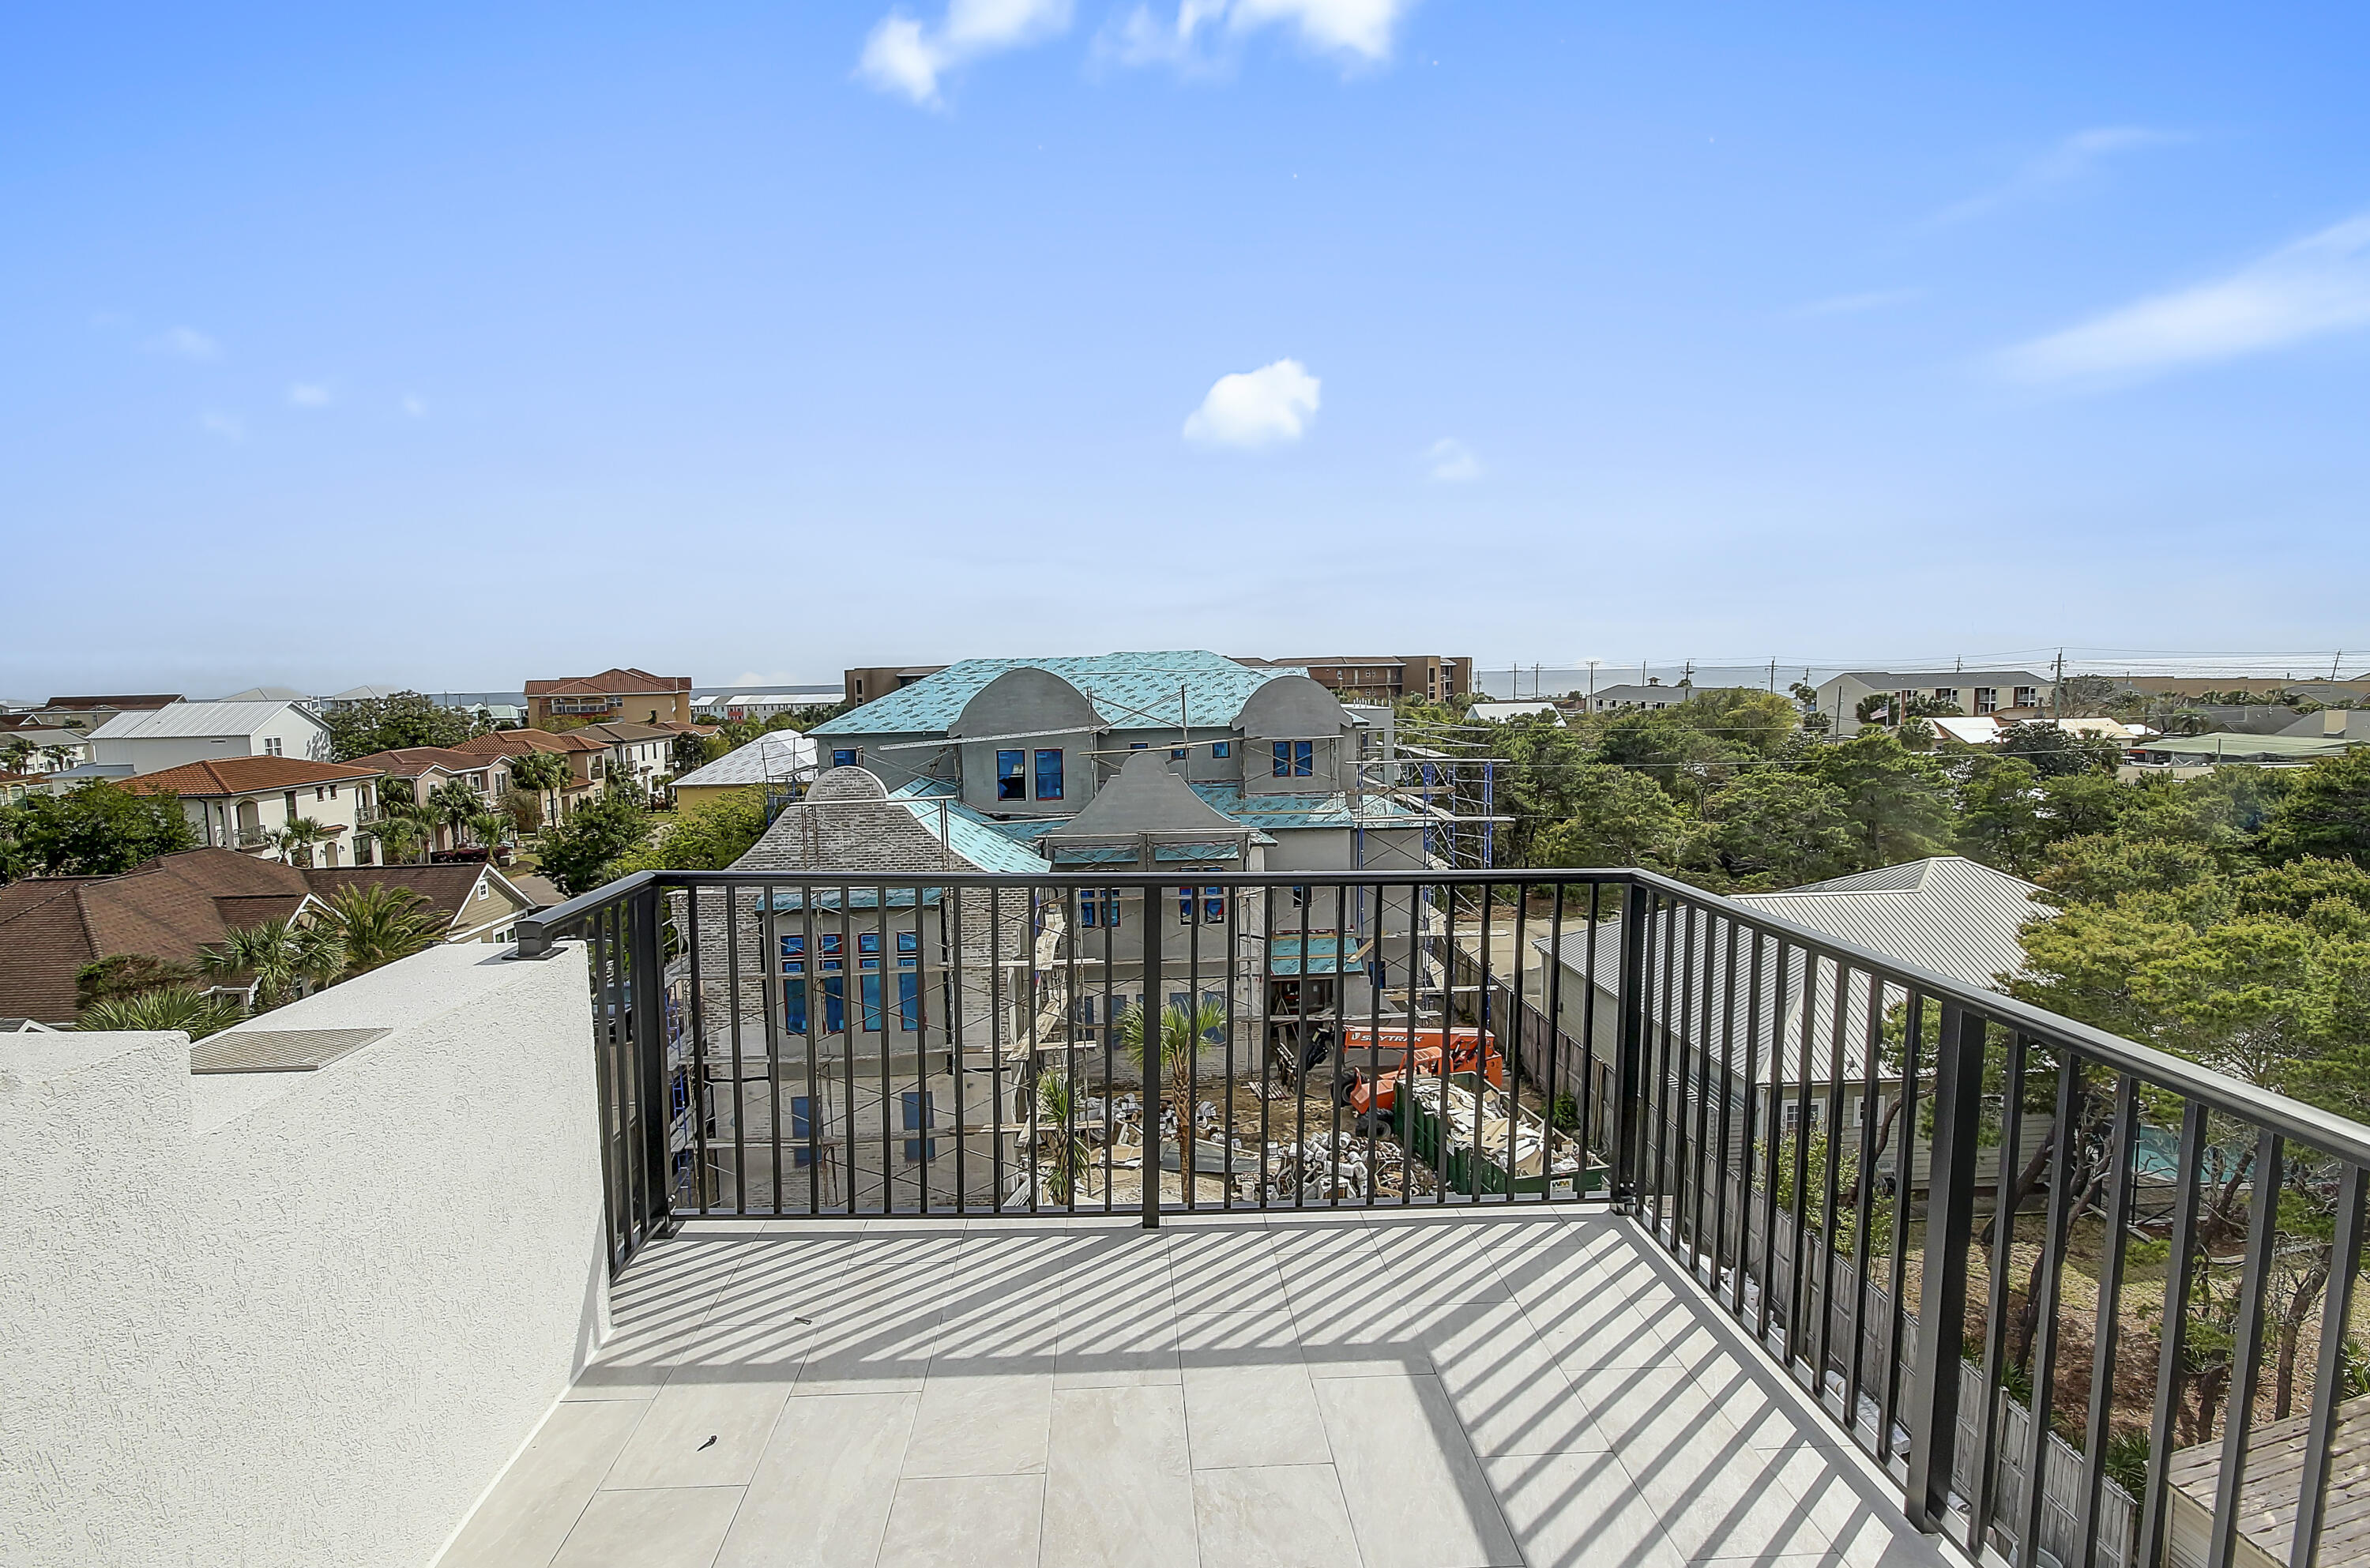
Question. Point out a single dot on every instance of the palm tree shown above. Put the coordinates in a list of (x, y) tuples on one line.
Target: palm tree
[(294, 840), (280, 960), (378, 924), (486, 827), (16, 753), (185, 1008), (454, 805), (1058, 1101), (541, 772), (1181, 1032)]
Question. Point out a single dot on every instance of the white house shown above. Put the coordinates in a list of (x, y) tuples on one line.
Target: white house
[(237, 802), (179, 733), (2007, 694)]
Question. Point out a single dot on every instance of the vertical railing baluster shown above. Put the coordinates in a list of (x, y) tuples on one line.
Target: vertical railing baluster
[(1747, 1145), (1768, 1310), (2108, 1323), (2247, 1353), (1904, 1167), (768, 943), (1003, 1117), (732, 1002), (1942, 1304), (2070, 1104), (1864, 1206), (698, 1064), (1340, 1051), (2336, 1320), (2172, 1350), (1376, 974), (1152, 1015), (2007, 1197), (1626, 1085), (1799, 1262), (1838, 1031)]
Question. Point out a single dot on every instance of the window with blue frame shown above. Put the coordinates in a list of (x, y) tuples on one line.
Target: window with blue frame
[(1098, 906), (844, 756), (794, 985), (1011, 776), (1212, 901), (1223, 748), (1177, 754), (1049, 774), (835, 983), (800, 1119), (1296, 759), (920, 1117), (871, 1004)]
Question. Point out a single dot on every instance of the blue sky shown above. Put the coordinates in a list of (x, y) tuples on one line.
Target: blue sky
[(449, 348)]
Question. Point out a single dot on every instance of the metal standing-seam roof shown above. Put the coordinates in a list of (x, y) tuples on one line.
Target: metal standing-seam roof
[(776, 755), (1129, 691), (195, 718), (1947, 914)]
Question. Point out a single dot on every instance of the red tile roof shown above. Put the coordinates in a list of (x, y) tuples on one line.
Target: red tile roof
[(518, 742), (245, 775), (609, 681), (411, 762)]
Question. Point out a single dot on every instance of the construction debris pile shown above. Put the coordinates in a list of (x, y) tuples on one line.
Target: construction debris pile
[(1343, 1166), (1518, 1150)]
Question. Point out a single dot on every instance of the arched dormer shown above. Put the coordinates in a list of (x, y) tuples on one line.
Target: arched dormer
[(1026, 741), (1317, 737)]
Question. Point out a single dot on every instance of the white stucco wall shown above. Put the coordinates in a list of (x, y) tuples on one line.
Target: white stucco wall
[(295, 1318)]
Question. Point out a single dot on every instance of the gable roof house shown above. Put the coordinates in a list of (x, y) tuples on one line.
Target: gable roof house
[(614, 693), (90, 712), (1946, 913), (177, 906), (152, 739), (235, 802), (588, 760), (783, 759)]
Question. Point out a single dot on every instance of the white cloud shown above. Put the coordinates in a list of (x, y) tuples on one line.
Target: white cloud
[(230, 427), (2318, 285), (1361, 31), (1253, 408), (2061, 166), (903, 54), (309, 395), (186, 342), (1451, 460)]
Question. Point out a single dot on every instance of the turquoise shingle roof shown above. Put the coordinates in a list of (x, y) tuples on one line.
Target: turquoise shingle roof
[(1129, 691)]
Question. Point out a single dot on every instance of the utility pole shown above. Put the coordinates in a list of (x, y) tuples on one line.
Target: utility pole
[(1592, 684), (2057, 689), (1773, 673)]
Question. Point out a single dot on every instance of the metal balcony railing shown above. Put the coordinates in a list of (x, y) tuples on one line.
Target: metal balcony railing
[(2089, 1303)]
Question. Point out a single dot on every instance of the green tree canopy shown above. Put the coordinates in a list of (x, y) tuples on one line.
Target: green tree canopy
[(95, 829), (583, 852), (707, 837), (2054, 752), (1775, 827), (2325, 810), (1620, 818), (1899, 801), (407, 718)]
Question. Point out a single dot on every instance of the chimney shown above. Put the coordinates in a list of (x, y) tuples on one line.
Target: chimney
[(2333, 720)]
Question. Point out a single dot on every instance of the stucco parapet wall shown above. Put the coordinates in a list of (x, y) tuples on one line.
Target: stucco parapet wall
[(297, 1317)]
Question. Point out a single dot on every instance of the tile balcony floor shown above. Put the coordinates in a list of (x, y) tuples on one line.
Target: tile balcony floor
[(1398, 1390)]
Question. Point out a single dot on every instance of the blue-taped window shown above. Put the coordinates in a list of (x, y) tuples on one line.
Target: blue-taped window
[(1177, 754), (844, 756), (1212, 901), (909, 1002), (1049, 774), (1304, 759), (871, 1002), (794, 986), (834, 1005), (1011, 776), (1098, 906), (920, 1113), (1223, 748)]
